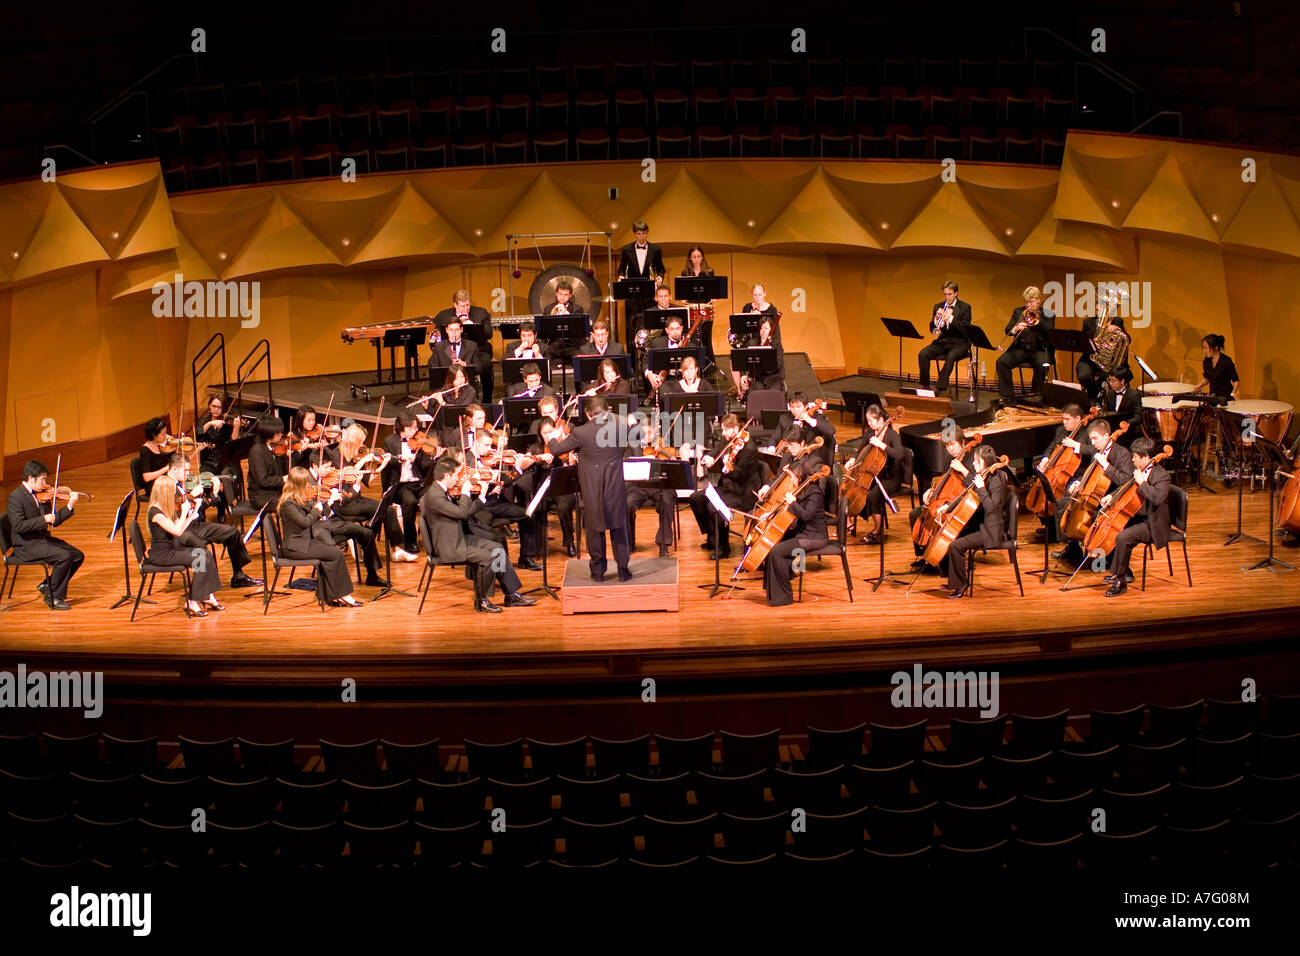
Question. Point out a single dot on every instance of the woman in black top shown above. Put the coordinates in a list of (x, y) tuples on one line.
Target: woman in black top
[(356, 510), (809, 534), (154, 462), (696, 264), (609, 375), (304, 421), (266, 469), (214, 428), (305, 536), (165, 529), (769, 334), (1218, 371), (879, 433)]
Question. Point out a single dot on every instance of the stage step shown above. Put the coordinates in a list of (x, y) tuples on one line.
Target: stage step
[(653, 588)]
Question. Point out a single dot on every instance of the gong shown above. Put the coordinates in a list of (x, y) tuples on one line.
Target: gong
[(586, 291)]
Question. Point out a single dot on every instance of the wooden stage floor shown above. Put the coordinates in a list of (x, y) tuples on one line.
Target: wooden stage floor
[(734, 636)]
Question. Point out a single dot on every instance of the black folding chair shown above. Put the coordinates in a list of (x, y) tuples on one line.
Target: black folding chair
[(148, 569), (12, 561)]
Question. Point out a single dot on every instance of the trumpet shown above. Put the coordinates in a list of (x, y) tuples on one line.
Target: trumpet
[(943, 318)]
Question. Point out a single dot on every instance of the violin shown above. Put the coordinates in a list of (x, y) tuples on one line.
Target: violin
[(1082, 509), (727, 460), (1125, 502), (944, 490), (185, 443), (957, 515), (61, 493), (323, 434), (658, 449), (1058, 471), (861, 472), (773, 527)]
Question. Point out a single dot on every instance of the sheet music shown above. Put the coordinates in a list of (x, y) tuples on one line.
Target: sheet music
[(636, 469), (537, 498), (719, 505)]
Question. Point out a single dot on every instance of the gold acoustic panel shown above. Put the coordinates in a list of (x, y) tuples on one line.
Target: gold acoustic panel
[(44, 420)]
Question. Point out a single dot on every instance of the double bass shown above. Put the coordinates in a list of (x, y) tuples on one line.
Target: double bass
[(862, 470), (769, 531), (945, 489), (1124, 503), (1058, 471), (957, 515), (1094, 484)]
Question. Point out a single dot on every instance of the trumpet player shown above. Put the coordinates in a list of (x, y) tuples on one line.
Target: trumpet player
[(1030, 346), (949, 320)]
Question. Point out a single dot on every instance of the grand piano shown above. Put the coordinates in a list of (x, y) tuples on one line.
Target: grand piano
[(1019, 432)]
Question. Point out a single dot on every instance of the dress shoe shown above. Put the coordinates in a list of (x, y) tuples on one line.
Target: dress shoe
[(375, 581), (401, 554), (706, 545), (1111, 578), (44, 588), (598, 577), (57, 604), (1116, 589), (571, 551), (511, 533), (719, 556), (957, 594), (519, 600), (199, 612), (487, 606), (663, 550), (528, 564), (920, 564), (244, 581), (624, 574)]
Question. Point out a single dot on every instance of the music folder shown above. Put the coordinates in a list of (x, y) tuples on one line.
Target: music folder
[(699, 288)]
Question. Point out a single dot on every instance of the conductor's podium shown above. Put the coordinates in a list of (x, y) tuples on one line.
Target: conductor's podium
[(653, 588)]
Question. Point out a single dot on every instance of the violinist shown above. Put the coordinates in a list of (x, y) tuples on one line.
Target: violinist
[(663, 500), (878, 431), (949, 320), (447, 518), (807, 534), (266, 468), (599, 343), (532, 386), (1117, 465), (962, 465), (548, 406), (30, 521), (466, 314), (738, 474), (811, 421), (167, 529), (986, 528), (199, 533), (483, 454), (460, 435), (1119, 399), (154, 462), (1151, 525), (351, 515), (312, 438), (215, 429), (408, 466), (528, 346), (1031, 346), (1071, 417), (306, 536), (611, 378), (549, 430)]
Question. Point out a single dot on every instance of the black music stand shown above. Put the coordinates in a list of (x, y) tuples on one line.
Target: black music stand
[(512, 370), (376, 525), (744, 325), (712, 405), (586, 368), (656, 318), (520, 413), (670, 360), (119, 524), (668, 474), (1048, 564), (562, 480), (632, 292), (883, 577), (978, 340), (1239, 439), (1281, 459), (1072, 341), (618, 404), (562, 334), (699, 288), (716, 505), (900, 329), (757, 361)]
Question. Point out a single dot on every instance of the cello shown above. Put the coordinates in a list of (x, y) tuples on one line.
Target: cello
[(1081, 510), (862, 470), (1124, 503), (1058, 471), (1288, 514), (944, 490), (785, 481), (956, 516), (769, 531)]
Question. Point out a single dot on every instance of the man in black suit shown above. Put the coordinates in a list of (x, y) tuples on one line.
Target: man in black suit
[(986, 528), (599, 343), (1088, 373), (1122, 402), (1151, 525), (451, 545), (410, 469), (811, 423), (604, 494), (532, 386), (266, 469), (1031, 347), (528, 347), (30, 523), (640, 259), (471, 315), (949, 321), (455, 349), (736, 486), (1116, 464)]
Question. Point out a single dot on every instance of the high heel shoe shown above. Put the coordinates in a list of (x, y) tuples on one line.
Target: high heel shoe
[(196, 609), (213, 606)]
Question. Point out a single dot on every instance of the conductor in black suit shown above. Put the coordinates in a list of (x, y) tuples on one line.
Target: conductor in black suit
[(640, 259), (600, 475), (456, 350), (472, 315), (30, 523), (949, 320), (1031, 347)]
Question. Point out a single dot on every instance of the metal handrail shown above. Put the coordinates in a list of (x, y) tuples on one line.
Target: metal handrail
[(241, 376), (196, 369)]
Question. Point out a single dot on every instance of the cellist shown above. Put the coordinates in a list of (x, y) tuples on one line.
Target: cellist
[(1117, 465), (1071, 416), (807, 534), (985, 529), (962, 465), (877, 431), (1151, 525)]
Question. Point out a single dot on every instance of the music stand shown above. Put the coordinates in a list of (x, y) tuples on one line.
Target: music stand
[(670, 360), (119, 524), (1072, 341), (520, 413), (478, 334), (562, 333), (376, 524), (699, 288), (632, 290), (859, 402), (562, 480), (1048, 565), (586, 368), (900, 329), (978, 340), (744, 325), (619, 404), (710, 404), (1281, 459), (757, 361)]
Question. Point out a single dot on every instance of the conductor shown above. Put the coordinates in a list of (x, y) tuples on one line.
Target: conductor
[(600, 474)]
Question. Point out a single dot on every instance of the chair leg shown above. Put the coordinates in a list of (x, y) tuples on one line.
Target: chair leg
[(11, 583), (139, 592), (848, 578), (800, 598), (1169, 556), (270, 590), (1016, 565), (1146, 549), (185, 596), (426, 573), (1186, 563)]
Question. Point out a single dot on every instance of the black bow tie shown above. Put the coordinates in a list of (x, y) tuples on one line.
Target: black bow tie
[(641, 247)]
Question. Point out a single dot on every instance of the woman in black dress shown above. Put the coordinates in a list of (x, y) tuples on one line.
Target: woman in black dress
[(306, 537), (769, 334), (154, 462), (1219, 374), (609, 376), (216, 430), (355, 506), (166, 527)]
